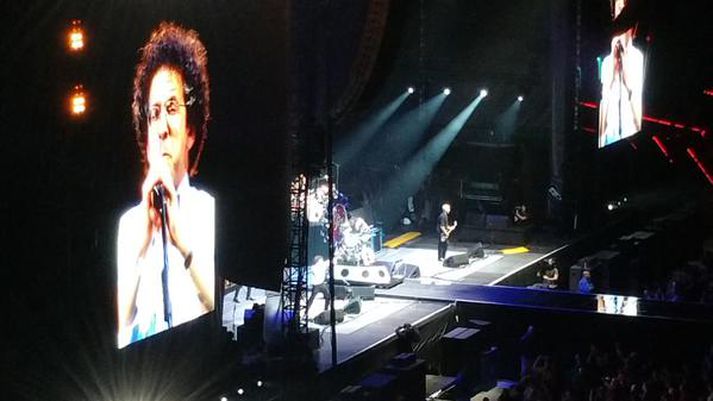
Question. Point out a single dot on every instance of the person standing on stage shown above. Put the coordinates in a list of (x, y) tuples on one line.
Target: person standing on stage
[(165, 245), (444, 230)]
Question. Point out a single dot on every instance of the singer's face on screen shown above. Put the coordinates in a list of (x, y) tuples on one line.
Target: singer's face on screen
[(169, 137)]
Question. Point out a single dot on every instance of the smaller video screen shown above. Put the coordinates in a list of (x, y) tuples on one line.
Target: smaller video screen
[(618, 305), (621, 75)]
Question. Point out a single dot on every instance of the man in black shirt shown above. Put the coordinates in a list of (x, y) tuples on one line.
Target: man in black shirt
[(444, 231)]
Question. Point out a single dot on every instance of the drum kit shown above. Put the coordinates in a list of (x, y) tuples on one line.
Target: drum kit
[(352, 235), (352, 239)]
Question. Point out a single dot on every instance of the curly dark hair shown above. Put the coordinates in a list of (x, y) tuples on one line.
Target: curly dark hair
[(178, 48)]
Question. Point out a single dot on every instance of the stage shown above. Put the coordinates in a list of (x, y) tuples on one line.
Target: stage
[(366, 337), (373, 328), (420, 252), (489, 270)]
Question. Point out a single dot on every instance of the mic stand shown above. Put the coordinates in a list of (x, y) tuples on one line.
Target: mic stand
[(167, 310), (621, 83)]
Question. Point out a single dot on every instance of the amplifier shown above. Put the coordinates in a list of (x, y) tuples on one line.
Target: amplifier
[(377, 238)]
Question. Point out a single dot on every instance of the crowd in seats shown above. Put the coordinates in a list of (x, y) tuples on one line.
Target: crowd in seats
[(614, 372), (693, 282)]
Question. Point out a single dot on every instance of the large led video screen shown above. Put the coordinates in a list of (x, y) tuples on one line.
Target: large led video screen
[(204, 191), (172, 176), (166, 242)]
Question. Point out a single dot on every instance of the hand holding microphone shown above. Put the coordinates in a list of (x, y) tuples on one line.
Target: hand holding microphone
[(157, 190), (158, 193), (617, 47)]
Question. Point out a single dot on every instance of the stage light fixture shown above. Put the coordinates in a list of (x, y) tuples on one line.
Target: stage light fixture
[(259, 383), (520, 98), (483, 92), (76, 36), (223, 398), (447, 91), (78, 101), (410, 89), (241, 391), (613, 205)]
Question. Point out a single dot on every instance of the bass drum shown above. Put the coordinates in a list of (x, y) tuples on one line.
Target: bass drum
[(368, 257)]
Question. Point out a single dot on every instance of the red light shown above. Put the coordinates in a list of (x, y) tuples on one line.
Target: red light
[(662, 147), (691, 152), (660, 121)]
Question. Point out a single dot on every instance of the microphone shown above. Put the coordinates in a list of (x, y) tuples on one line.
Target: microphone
[(159, 196), (158, 192), (619, 49)]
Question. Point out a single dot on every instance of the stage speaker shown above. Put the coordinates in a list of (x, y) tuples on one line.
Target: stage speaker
[(323, 317), (353, 307), (575, 273), (459, 347), (478, 251), (365, 292), (374, 274), (410, 373), (405, 270), (489, 367), (457, 260), (379, 387)]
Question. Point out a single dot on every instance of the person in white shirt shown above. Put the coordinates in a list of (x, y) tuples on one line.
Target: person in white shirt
[(165, 244)]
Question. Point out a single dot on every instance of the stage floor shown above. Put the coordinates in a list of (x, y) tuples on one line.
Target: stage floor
[(374, 326), (357, 334), (422, 252)]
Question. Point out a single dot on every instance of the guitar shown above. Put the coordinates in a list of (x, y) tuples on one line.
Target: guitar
[(448, 231), (520, 215)]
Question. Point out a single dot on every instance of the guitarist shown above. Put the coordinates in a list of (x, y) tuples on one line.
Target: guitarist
[(444, 231)]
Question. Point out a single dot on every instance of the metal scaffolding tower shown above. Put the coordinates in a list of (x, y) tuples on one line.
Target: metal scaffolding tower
[(294, 283)]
